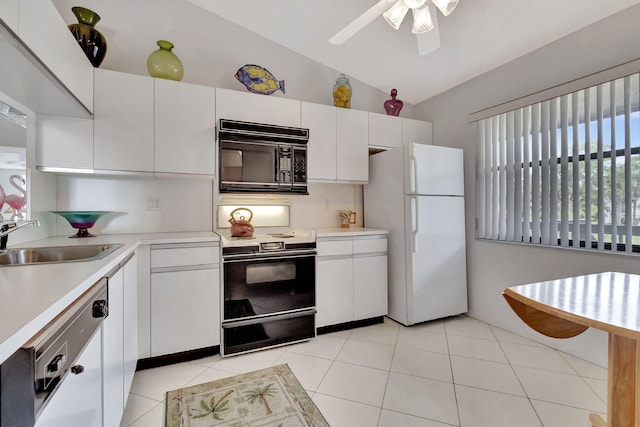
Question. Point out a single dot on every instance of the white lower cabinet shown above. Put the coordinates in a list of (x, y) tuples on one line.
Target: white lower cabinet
[(351, 278), (119, 330), (113, 353), (185, 297), (78, 401), (334, 290)]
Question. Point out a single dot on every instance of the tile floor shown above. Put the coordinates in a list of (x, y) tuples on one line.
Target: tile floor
[(452, 372)]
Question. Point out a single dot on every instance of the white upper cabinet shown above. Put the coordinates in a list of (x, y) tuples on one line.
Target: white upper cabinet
[(384, 131), (42, 29), (416, 131), (123, 122), (322, 147), (64, 143), (353, 145), (184, 128), (250, 107)]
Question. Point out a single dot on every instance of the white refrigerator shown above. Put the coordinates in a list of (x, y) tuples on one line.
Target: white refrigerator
[(416, 192)]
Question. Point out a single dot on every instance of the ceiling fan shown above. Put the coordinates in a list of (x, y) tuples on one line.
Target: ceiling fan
[(425, 21)]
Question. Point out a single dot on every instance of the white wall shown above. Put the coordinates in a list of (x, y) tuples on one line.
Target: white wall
[(186, 204), (220, 51), (494, 266)]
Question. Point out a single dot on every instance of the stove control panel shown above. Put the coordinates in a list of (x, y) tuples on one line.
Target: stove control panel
[(271, 246)]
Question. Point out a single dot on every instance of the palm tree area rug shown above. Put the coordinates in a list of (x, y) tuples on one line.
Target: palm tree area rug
[(268, 397)]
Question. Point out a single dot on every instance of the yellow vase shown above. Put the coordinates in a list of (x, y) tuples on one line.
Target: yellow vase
[(342, 92)]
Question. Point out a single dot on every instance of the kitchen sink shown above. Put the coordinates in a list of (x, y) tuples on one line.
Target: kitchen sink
[(56, 254)]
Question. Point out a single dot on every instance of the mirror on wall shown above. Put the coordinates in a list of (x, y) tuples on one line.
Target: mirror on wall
[(13, 183)]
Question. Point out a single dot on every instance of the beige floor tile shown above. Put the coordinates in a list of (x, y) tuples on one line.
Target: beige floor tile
[(584, 368), (248, 362), (397, 419), (421, 397), (486, 375), (353, 382), (346, 413), (476, 348), (309, 370), (537, 357), (153, 418), (554, 415), (381, 333), (321, 346), (564, 389), (154, 383), (506, 336), (422, 339), (137, 406), (483, 408), (468, 327), (422, 364), (365, 353)]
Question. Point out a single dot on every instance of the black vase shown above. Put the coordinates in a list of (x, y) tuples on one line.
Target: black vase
[(92, 42)]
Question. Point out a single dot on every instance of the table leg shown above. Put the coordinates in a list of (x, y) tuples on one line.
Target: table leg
[(622, 384), (597, 421)]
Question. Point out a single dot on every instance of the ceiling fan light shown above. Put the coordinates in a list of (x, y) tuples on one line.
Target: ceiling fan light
[(445, 6), (395, 14), (422, 21)]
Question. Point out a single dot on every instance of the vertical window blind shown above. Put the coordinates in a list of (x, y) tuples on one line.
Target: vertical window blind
[(564, 171)]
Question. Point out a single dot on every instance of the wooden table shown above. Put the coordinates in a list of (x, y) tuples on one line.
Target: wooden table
[(608, 301)]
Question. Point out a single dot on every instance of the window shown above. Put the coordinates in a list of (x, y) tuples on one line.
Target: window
[(564, 171)]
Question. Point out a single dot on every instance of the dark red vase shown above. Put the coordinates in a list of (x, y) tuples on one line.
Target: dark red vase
[(393, 106), (92, 42)]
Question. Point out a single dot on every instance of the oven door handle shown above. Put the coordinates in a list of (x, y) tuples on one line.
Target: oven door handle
[(269, 317), (278, 256)]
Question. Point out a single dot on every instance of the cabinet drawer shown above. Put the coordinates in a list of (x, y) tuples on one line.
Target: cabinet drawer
[(334, 247), (377, 244), (179, 255)]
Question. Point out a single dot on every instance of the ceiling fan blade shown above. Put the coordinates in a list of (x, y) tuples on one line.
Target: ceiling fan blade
[(429, 41), (360, 22)]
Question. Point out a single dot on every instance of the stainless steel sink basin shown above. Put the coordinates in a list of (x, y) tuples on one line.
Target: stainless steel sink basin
[(56, 254)]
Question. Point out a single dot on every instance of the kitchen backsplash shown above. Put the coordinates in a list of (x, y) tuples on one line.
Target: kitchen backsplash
[(148, 205)]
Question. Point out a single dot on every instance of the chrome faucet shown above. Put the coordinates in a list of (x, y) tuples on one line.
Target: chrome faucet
[(9, 227)]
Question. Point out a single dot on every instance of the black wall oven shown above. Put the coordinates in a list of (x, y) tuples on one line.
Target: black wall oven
[(268, 296)]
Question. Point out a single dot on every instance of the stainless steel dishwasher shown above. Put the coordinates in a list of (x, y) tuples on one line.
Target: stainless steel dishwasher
[(30, 377)]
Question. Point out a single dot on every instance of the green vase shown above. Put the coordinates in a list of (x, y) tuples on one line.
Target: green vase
[(163, 63), (92, 42)]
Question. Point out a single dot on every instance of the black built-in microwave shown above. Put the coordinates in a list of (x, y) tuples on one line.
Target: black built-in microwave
[(262, 158)]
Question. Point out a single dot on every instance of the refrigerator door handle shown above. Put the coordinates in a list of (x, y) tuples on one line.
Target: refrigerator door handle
[(413, 172), (414, 224)]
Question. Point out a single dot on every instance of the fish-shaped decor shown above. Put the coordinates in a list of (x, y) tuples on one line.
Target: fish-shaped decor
[(258, 80)]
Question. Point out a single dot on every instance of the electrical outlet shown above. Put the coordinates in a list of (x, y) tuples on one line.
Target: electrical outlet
[(154, 204)]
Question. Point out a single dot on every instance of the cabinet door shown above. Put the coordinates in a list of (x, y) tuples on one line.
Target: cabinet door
[(130, 322), (123, 121), (369, 286), (334, 291), (184, 128), (42, 29), (250, 107), (385, 131), (64, 143), (185, 310), (113, 352), (353, 145), (321, 149), (416, 131), (78, 401)]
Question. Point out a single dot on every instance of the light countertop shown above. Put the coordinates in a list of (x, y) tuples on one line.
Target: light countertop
[(32, 295), (351, 231)]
